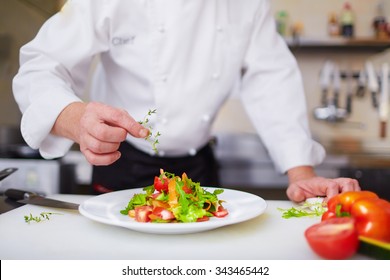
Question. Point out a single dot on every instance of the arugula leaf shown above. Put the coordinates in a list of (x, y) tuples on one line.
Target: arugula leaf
[(42, 217), (305, 210), (137, 200)]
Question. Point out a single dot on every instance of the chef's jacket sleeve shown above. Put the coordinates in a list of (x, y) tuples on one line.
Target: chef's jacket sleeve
[(53, 72), (273, 94)]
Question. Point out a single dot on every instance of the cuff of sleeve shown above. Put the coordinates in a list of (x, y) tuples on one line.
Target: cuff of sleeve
[(311, 154), (37, 122)]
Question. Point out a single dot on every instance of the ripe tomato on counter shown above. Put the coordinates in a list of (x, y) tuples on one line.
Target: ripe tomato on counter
[(371, 213), (335, 239), (346, 199), (372, 216)]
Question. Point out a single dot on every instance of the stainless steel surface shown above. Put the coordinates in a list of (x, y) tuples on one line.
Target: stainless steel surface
[(330, 109)]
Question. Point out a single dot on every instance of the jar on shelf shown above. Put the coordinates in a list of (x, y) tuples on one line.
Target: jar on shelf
[(333, 25), (347, 20), (282, 22)]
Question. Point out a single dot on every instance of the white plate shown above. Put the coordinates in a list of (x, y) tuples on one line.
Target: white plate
[(106, 208)]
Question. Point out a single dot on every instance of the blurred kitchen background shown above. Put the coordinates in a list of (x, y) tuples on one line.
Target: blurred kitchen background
[(342, 49)]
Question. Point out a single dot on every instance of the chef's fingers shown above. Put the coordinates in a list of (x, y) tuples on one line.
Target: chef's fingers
[(296, 194), (348, 184), (101, 159), (106, 133), (99, 147), (313, 187), (120, 118), (319, 186)]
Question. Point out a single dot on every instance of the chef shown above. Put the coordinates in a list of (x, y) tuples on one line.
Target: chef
[(163, 69)]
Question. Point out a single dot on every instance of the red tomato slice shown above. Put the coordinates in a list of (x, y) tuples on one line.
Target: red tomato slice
[(203, 219), (142, 214), (163, 213), (221, 212), (160, 185), (187, 190), (336, 238)]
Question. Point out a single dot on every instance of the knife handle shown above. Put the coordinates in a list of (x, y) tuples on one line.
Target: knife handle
[(15, 194)]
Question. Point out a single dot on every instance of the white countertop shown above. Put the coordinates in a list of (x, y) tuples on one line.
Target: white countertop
[(71, 236)]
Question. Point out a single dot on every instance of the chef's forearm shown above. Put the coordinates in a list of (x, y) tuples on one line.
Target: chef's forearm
[(68, 122), (300, 173)]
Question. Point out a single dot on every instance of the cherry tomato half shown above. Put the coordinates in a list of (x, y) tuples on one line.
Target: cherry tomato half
[(334, 239), (161, 185)]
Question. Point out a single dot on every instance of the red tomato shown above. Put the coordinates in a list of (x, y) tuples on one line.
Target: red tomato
[(335, 238), (372, 217), (187, 190), (142, 213), (163, 213), (221, 212), (160, 185), (346, 199), (328, 215), (203, 219)]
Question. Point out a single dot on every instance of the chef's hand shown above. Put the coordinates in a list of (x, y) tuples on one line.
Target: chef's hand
[(98, 129), (304, 183)]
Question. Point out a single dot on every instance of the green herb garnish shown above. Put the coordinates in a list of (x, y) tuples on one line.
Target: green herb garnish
[(152, 137), (42, 217), (306, 209)]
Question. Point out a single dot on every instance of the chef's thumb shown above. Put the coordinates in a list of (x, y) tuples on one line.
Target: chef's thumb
[(121, 118)]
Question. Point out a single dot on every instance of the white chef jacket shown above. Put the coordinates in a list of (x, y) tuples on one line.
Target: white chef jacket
[(180, 57)]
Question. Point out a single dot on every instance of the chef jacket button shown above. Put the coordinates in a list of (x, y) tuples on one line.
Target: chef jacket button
[(206, 118), (192, 152)]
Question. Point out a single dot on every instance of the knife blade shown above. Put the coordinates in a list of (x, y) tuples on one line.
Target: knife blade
[(373, 84), (384, 100), (325, 76), (27, 197), (336, 85), (6, 172)]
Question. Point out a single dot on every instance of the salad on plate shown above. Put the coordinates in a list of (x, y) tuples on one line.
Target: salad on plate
[(175, 199)]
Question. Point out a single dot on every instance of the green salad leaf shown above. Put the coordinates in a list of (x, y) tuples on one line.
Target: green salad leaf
[(306, 209)]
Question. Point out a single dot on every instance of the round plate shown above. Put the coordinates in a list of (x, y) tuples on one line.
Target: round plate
[(106, 208)]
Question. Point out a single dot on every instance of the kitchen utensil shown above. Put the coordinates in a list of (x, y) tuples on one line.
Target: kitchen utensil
[(349, 78), (325, 76), (26, 197), (362, 83), (373, 84), (384, 99), (6, 172), (336, 85)]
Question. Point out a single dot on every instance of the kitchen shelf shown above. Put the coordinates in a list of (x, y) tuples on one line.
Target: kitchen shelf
[(364, 43)]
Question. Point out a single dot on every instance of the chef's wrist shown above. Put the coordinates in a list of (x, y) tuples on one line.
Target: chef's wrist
[(300, 173), (67, 123)]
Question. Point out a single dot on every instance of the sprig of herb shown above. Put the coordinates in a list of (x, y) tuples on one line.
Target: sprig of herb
[(306, 209), (42, 217), (152, 137)]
